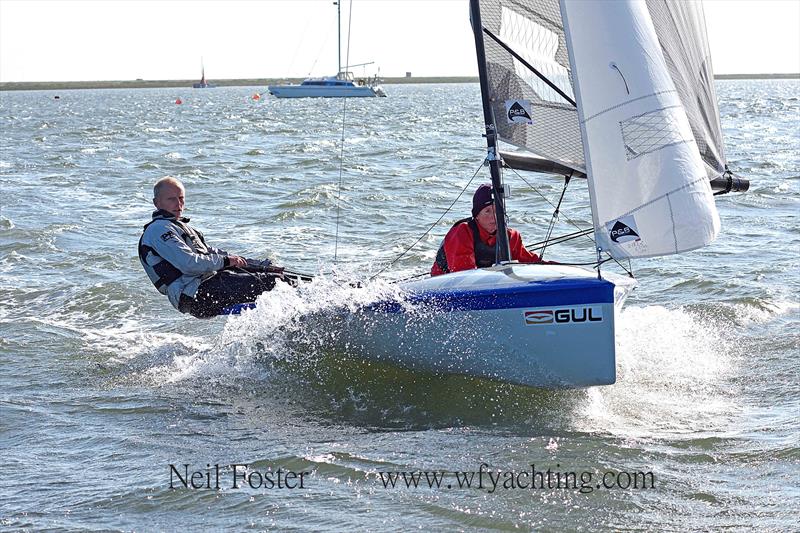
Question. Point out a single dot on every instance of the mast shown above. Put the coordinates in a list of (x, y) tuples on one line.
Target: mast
[(339, 30), (503, 252)]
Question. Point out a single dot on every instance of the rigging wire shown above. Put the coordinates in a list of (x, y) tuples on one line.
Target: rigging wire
[(349, 24), (396, 259), (554, 218), (341, 147), (339, 187), (558, 240), (297, 48), (575, 224), (319, 54), (582, 232)]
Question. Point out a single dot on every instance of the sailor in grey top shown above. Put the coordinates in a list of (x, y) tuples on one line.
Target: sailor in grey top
[(197, 278)]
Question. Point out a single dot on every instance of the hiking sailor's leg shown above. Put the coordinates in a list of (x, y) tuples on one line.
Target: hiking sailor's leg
[(228, 288)]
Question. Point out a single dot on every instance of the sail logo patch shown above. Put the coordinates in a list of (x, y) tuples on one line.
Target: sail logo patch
[(518, 111), (624, 230), (575, 315)]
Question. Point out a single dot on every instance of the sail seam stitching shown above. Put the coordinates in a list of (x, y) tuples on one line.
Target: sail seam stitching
[(652, 111), (672, 220), (553, 105), (665, 195), (584, 121)]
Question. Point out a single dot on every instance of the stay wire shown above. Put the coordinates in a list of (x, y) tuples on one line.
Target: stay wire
[(339, 189), (341, 147), (319, 54), (559, 240), (582, 230), (349, 24), (577, 226), (554, 218), (297, 48), (396, 259)]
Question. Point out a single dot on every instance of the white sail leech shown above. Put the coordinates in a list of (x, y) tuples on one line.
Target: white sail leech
[(648, 185), (680, 27)]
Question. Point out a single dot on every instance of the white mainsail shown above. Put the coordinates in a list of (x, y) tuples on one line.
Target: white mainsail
[(648, 185), (646, 128)]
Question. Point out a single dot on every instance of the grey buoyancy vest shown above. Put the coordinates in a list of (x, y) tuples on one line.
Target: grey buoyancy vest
[(485, 255), (166, 271)]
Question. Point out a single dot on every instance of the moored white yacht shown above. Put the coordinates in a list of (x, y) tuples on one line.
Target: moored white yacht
[(343, 85)]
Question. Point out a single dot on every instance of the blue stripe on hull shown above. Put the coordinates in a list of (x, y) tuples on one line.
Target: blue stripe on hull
[(562, 292), (238, 309), (535, 294)]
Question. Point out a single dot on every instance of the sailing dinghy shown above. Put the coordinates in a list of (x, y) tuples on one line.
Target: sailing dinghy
[(618, 92)]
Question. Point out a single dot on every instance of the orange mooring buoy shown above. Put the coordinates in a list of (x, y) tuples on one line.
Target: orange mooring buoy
[(256, 96), (178, 101)]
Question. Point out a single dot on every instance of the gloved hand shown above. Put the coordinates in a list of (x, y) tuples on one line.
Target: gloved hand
[(275, 271), (234, 261), (265, 266), (256, 264)]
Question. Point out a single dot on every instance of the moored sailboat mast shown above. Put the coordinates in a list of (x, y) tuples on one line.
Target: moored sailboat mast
[(339, 34)]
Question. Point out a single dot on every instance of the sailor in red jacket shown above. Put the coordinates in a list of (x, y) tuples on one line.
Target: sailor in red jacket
[(470, 243)]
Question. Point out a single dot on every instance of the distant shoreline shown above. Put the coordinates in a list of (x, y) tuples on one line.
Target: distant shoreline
[(187, 84), (264, 82)]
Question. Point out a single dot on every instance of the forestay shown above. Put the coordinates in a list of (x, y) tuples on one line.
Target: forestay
[(646, 129)]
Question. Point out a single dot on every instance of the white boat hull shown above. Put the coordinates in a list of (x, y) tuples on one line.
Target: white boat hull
[(312, 91), (537, 325)]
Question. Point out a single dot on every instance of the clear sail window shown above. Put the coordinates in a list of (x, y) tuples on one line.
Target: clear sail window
[(538, 46), (649, 132)]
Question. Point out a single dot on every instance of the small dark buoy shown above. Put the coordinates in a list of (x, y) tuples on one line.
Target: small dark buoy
[(56, 97)]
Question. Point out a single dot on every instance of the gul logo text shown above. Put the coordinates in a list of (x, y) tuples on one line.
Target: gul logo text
[(563, 316)]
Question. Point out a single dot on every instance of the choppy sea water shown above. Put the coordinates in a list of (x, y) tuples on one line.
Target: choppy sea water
[(103, 385)]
